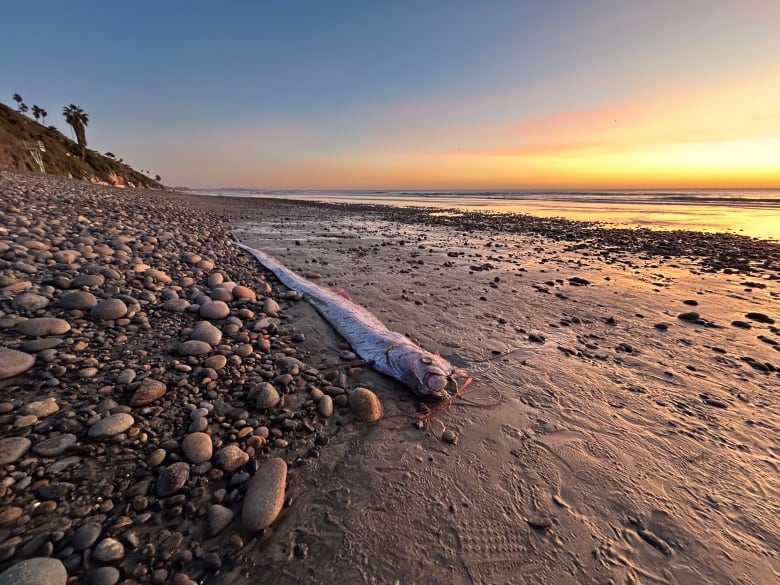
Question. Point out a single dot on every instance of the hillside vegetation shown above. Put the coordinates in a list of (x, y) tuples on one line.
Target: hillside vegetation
[(62, 156)]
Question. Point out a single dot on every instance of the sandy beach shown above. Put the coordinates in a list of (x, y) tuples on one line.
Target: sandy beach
[(621, 426)]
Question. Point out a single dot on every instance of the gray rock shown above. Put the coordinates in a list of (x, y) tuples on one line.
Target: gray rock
[(78, 300), (205, 331), (36, 345), (54, 446), (197, 447), (214, 310), (111, 425), (12, 448), (108, 550), (103, 576), (365, 404), (109, 309), (219, 518), (172, 479), (231, 457), (43, 326), (88, 281), (125, 376), (266, 396), (14, 362), (30, 302), (270, 307), (35, 571), (193, 347), (176, 305), (85, 536), (41, 408), (149, 391), (264, 495)]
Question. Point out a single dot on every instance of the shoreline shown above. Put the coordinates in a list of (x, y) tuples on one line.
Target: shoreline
[(610, 434)]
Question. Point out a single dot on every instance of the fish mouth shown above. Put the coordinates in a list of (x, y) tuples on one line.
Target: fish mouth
[(450, 388)]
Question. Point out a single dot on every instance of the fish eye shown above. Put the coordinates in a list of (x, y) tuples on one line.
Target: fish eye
[(426, 360)]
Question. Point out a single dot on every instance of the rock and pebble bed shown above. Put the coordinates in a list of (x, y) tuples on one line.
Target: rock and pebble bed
[(149, 388)]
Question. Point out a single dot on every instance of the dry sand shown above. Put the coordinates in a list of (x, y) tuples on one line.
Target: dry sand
[(620, 452)]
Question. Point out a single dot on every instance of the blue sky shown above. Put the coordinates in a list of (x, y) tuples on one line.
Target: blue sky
[(409, 94)]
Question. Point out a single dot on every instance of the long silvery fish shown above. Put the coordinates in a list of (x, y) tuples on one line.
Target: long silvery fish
[(388, 352)]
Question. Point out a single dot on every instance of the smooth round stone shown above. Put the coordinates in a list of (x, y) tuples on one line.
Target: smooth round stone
[(266, 396), (270, 306), (30, 302), (35, 571), (88, 281), (66, 256), (325, 406), (103, 576), (172, 479), (216, 362), (43, 326), (111, 425), (149, 391), (78, 300), (126, 376), (215, 279), (176, 305), (205, 331), (108, 550), (36, 345), (214, 310), (156, 457), (41, 408), (221, 294), (158, 276), (232, 457), (109, 310), (243, 292), (54, 446), (365, 405), (193, 347), (205, 264), (14, 362), (197, 447), (219, 518), (85, 536), (62, 464), (199, 425), (264, 495), (12, 448)]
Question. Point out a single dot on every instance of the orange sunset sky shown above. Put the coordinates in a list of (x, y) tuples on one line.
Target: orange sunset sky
[(601, 94)]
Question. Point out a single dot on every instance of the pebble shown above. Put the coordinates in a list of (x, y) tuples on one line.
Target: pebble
[(365, 404), (219, 518), (85, 536), (172, 479), (43, 326), (149, 391), (231, 458), (216, 362), (197, 447), (193, 347), (325, 406), (109, 310), (56, 445), (30, 302), (265, 395), (103, 576), (264, 495), (214, 310), (108, 550), (14, 362), (35, 571), (12, 448), (205, 331), (111, 425), (41, 408), (78, 300), (243, 292)]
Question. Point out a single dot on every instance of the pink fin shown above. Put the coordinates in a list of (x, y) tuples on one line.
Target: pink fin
[(342, 293)]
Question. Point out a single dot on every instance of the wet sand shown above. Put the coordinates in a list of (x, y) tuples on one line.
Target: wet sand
[(629, 445)]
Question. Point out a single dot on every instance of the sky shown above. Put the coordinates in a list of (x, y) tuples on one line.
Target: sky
[(297, 94)]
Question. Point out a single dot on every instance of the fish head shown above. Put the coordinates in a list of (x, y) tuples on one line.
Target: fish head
[(434, 376)]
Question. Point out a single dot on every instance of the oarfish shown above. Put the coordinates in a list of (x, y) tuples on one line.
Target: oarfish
[(388, 352)]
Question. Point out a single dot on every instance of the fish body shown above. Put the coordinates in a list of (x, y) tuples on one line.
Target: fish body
[(388, 352)]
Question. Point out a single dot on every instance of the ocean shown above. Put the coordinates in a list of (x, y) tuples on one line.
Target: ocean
[(750, 212)]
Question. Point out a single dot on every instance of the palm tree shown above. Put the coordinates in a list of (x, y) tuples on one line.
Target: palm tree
[(36, 112), (78, 120), (23, 108), (18, 100), (43, 114)]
